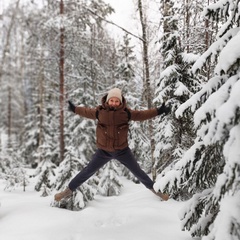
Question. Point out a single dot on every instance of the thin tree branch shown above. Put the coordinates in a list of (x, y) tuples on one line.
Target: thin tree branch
[(110, 22)]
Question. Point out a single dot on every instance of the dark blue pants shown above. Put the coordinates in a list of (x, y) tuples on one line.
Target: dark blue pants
[(101, 157)]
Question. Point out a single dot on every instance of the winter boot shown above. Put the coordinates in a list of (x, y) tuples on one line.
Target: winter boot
[(163, 196), (64, 194)]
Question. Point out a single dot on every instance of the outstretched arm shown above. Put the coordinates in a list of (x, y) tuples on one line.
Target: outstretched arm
[(150, 113), (82, 111), (142, 115)]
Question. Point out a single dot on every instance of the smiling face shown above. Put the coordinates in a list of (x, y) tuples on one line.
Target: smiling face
[(114, 102)]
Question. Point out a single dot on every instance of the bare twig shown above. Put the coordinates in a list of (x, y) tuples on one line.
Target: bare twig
[(110, 22)]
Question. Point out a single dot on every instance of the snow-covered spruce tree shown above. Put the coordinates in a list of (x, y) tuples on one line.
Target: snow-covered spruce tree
[(3, 163), (41, 120), (176, 84), (109, 182), (11, 71), (125, 69), (211, 167), (80, 132), (45, 172), (15, 174), (67, 170), (80, 140), (2, 166), (124, 73), (41, 127), (30, 143)]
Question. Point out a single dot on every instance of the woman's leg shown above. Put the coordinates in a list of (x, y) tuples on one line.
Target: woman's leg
[(126, 157), (99, 159)]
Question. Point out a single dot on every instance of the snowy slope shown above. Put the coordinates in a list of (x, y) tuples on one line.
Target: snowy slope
[(136, 214)]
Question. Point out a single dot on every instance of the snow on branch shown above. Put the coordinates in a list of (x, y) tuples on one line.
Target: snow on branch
[(196, 100), (214, 49), (227, 111), (170, 70), (214, 101), (226, 224), (229, 55), (189, 57), (221, 7), (196, 206)]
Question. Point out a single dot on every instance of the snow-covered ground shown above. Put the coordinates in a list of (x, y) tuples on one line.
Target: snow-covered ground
[(136, 214)]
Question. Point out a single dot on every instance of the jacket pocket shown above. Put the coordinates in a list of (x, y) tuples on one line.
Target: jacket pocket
[(122, 135), (101, 133)]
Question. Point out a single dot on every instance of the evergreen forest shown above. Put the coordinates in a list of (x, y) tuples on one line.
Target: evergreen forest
[(185, 54)]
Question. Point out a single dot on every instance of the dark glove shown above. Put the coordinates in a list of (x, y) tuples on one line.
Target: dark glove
[(71, 106), (164, 109)]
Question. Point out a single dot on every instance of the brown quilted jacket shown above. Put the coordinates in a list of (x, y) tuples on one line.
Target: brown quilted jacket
[(112, 126)]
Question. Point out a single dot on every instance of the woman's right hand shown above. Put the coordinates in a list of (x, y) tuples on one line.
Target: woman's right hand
[(71, 106)]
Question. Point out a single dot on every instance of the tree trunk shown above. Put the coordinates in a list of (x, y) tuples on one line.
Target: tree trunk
[(23, 84), (61, 98), (93, 74), (187, 22), (148, 91), (40, 109), (9, 115)]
